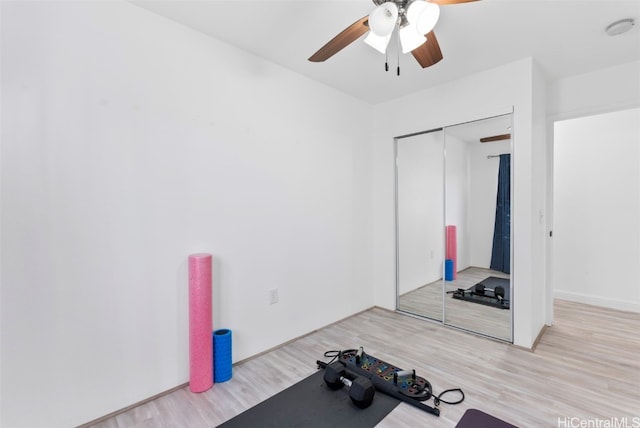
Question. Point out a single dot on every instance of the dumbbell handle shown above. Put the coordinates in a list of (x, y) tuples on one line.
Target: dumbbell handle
[(403, 373), (345, 381)]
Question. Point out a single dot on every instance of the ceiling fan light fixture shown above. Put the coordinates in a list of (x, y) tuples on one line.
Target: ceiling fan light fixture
[(428, 17), (414, 9), (382, 20), (410, 39), (379, 43)]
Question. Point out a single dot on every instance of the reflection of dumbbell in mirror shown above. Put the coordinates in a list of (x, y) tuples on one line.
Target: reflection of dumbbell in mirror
[(498, 292), (361, 390)]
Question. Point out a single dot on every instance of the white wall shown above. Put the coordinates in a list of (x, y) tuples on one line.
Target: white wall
[(420, 210), (482, 194), (129, 142), (540, 304), (601, 91), (486, 94), (457, 196), (104, 102), (472, 183), (596, 209)]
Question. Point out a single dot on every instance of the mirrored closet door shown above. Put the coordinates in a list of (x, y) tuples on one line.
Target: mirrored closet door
[(419, 219), (478, 226), (453, 193)]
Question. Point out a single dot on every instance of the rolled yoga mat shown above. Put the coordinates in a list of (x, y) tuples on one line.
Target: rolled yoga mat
[(222, 360), (200, 323), (452, 250)]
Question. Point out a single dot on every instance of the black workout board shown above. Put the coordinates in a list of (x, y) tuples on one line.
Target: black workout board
[(488, 299), (310, 404)]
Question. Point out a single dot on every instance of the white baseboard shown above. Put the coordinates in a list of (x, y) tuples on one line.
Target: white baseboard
[(607, 302)]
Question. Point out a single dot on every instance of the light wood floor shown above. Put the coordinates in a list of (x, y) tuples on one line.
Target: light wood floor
[(586, 366), (427, 301)]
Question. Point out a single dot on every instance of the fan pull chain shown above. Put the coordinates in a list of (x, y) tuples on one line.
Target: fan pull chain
[(386, 60), (398, 53)]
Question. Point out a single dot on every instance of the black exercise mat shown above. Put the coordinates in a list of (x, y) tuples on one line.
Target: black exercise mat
[(488, 299), (309, 404), (474, 418)]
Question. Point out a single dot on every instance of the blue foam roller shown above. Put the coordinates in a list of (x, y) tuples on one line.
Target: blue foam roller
[(448, 270), (222, 361)]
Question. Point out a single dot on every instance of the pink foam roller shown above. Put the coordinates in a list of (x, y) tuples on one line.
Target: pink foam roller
[(452, 249), (200, 323)]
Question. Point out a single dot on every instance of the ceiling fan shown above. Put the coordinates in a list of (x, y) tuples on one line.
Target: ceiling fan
[(415, 20)]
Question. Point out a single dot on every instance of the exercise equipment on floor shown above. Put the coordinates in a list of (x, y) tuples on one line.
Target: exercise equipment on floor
[(403, 385), (200, 322), (482, 293), (498, 292), (361, 390), (222, 357), (311, 403)]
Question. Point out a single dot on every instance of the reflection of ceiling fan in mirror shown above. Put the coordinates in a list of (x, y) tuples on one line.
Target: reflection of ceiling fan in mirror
[(415, 20), (495, 138)]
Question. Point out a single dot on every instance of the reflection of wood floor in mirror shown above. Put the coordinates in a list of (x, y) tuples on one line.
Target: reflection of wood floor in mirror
[(427, 301)]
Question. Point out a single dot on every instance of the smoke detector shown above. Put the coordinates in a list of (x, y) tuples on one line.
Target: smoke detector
[(619, 27)]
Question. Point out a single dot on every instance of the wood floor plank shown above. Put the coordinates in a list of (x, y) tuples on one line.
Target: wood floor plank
[(586, 366)]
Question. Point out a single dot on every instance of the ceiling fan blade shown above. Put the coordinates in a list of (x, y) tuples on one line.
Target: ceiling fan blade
[(495, 138), (428, 53), (444, 2), (339, 42)]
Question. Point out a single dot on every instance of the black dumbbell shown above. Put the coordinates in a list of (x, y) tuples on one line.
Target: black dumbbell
[(498, 292), (361, 389)]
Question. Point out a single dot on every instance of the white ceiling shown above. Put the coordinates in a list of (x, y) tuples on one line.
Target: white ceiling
[(565, 37)]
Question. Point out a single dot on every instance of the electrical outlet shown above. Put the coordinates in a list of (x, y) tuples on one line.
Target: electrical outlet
[(273, 296)]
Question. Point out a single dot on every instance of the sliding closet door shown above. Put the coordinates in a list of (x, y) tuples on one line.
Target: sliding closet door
[(478, 225), (420, 223)]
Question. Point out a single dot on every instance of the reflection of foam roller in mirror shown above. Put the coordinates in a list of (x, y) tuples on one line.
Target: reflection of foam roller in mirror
[(448, 270), (222, 360), (452, 249)]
